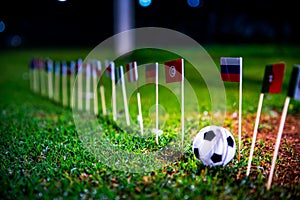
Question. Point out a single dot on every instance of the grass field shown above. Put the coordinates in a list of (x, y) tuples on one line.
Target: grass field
[(42, 156)]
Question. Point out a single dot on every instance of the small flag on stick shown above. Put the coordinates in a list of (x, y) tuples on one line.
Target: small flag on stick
[(174, 72), (64, 84), (87, 86), (42, 68), (231, 71), (57, 82), (152, 77), (293, 92), (96, 68), (79, 84), (72, 80), (102, 92), (132, 74), (49, 65), (272, 83), (124, 95)]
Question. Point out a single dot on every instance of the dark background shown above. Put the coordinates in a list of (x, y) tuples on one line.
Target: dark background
[(32, 23)]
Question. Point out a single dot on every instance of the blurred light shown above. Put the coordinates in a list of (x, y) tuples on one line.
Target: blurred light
[(2, 26), (14, 40), (193, 3), (145, 3), (61, 0)]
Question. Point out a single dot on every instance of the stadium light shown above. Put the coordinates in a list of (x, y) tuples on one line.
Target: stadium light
[(61, 0), (193, 3), (145, 3), (2, 26)]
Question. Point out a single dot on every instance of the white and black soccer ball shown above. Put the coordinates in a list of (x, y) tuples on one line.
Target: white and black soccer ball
[(214, 145)]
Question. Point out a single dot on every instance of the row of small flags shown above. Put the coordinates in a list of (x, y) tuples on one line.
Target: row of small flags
[(230, 71)]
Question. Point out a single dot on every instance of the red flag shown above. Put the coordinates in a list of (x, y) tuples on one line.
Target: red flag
[(131, 70), (273, 78), (173, 70)]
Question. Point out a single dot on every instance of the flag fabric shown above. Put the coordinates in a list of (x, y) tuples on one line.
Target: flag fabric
[(57, 67), (173, 70), (49, 65), (231, 69), (64, 68), (108, 70), (273, 77), (294, 86), (150, 73), (72, 68), (79, 66), (131, 69), (118, 75), (87, 70), (98, 68)]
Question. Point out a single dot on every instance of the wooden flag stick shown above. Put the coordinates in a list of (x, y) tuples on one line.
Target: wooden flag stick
[(64, 85), (182, 103), (35, 80), (261, 98), (281, 126), (72, 69), (156, 102), (79, 87), (140, 115), (88, 87), (240, 110), (42, 78), (57, 82), (113, 87), (124, 97), (94, 69), (103, 100), (50, 81)]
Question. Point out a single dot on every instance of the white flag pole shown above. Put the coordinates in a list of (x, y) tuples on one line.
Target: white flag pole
[(240, 109), (88, 86), (57, 82), (124, 96), (79, 77), (95, 66), (64, 84), (113, 87), (156, 102), (140, 116), (35, 78), (50, 81), (261, 98), (281, 126), (72, 75), (182, 103), (42, 78)]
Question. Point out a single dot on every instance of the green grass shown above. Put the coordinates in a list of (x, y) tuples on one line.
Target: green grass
[(43, 157)]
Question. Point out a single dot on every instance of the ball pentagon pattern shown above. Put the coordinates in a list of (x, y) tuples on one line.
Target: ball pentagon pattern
[(214, 145)]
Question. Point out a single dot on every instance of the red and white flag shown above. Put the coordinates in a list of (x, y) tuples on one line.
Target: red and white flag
[(173, 70), (150, 73), (131, 70)]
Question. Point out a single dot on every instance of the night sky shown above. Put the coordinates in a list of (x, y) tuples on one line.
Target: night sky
[(87, 23)]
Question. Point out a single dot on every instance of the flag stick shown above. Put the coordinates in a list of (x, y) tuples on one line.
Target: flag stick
[(261, 98), (64, 84), (156, 101), (182, 103), (103, 100), (88, 87), (35, 80), (72, 69), (240, 110), (113, 87), (95, 89), (50, 86), (125, 97), (42, 78), (281, 126), (57, 82), (79, 91), (140, 116)]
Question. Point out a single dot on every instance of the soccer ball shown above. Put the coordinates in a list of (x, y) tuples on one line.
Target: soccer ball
[(214, 145)]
